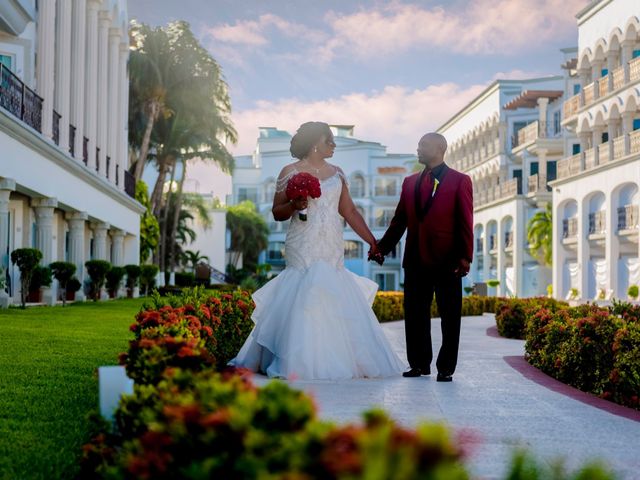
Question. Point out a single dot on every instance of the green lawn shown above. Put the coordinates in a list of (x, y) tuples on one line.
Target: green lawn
[(48, 382)]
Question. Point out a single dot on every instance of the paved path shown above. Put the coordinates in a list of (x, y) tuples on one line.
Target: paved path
[(496, 395)]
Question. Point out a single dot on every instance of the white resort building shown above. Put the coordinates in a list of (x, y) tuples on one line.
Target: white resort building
[(64, 185), (595, 195), (375, 179), (508, 140)]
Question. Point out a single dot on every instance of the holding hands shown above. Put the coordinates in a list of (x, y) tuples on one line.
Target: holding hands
[(375, 254)]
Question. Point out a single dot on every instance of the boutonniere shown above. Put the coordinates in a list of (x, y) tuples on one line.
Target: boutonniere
[(435, 186)]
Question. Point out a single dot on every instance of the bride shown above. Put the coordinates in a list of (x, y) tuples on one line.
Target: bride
[(314, 320)]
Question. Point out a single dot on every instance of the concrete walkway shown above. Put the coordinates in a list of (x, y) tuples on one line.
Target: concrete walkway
[(505, 402)]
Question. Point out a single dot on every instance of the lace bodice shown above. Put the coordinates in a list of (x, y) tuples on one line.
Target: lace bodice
[(321, 236)]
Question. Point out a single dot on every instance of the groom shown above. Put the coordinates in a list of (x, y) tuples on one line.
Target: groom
[(436, 209)]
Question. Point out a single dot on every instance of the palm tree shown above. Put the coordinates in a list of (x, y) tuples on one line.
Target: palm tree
[(192, 258), (540, 235), (249, 233)]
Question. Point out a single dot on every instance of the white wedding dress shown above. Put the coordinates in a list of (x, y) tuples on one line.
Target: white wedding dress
[(314, 320)]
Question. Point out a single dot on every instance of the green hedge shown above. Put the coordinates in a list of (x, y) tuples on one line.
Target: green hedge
[(595, 349), (512, 313)]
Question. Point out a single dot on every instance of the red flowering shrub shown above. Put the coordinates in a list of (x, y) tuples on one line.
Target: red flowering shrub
[(512, 313), (211, 425)]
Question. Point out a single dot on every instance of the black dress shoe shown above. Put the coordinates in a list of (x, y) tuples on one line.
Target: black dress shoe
[(442, 377), (415, 372)]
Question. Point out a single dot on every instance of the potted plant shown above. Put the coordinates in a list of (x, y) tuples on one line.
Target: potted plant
[(468, 290), (62, 272), (40, 277), (633, 292), (493, 283), (73, 285), (133, 277), (26, 259), (97, 270), (114, 279)]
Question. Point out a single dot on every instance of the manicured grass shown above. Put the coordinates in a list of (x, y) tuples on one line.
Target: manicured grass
[(48, 381)]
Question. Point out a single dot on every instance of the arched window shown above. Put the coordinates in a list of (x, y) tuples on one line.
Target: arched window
[(352, 249), (357, 186)]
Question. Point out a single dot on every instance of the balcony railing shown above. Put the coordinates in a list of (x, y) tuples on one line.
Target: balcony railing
[(536, 183), (85, 150), (603, 153), (597, 222), (129, 184), (117, 174), (589, 159), (618, 77), (530, 133), (589, 94), (618, 147), (479, 245), (56, 128), (386, 191), (508, 239), (634, 69), (20, 100), (97, 159), (628, 217), (571, 106), (108, 166), (493, 242), (72, 140), (569, 227), (634, 141), (569, 166), (603, 86)]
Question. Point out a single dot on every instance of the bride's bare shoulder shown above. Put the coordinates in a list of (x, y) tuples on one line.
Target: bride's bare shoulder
[(288, 169)]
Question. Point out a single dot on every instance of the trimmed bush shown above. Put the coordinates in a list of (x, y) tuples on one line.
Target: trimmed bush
[(389, 306), (512, 314), (133, 275), (148, 277), (185, 279), (97, 270), (26, 259), (632, 291), (114, 279), (63, 272), (40, 277)]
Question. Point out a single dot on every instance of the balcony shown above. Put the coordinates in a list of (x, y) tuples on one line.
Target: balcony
[(19, 100), (618, 147), (493, 242), (72, 140), (129, 184), (603, 86), (508, 189), (56, 128), (634, 69), (634, 141), (569, 227), (386, 190), (571, 106), (508, 239), (537, 183), (589, 159), (85, 150), (589, 94), (597, 222), (568, 167), (530, 133), (382, 220), (603, 153), (628, 217), (479, 245), (618, 77)]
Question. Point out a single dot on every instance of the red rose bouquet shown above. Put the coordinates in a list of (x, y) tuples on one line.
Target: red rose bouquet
[(303, 185)]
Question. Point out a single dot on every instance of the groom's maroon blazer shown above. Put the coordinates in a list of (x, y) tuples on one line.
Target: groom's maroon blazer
[(439, 226)]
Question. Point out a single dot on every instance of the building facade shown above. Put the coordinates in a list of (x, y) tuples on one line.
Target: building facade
[(596, 197), (64, 185), (508, 140), (375, 180)]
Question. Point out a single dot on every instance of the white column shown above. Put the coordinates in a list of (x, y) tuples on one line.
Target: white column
[(612, 58), (486, 262), (612, 247), (625, 55), (46, 30), (596, 140), (91, 81), (100, 240), (501, 259), (518, 247), (113, 107), (77, 222), (7, 185), (104, 21), (123, 113), (542, 116), (542, 168), (78, 40), (44, 208), (584, 253), (558, 254), (63, 69), (117, 251), (627, 128)]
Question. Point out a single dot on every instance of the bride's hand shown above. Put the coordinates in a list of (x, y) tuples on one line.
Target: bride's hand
[(299, 203)]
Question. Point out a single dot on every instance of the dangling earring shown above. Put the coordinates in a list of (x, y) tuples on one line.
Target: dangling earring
[(315, 149)]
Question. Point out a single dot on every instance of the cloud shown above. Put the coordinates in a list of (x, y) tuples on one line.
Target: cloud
[(518, 74), (396, 116), (479, 27)]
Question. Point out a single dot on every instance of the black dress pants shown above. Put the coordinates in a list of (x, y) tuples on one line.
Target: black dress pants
[(420, 284)]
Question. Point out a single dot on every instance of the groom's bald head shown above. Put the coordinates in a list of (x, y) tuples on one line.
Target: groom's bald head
[(431, 149)]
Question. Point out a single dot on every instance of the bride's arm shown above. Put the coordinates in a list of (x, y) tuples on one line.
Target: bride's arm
[(282, 208), (352, 216)]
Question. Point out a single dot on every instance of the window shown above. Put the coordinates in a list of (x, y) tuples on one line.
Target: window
[(576, 88), (635, 54), (357, 186), (6, 60), (533, 168), (604, 72), (575, 148), (386, 187), (556, 123), (269, 191), (248, 193), (352, 249), (382, 218), (275, 251), (636, 124), (605, 137), (386, 281), (517, 126)]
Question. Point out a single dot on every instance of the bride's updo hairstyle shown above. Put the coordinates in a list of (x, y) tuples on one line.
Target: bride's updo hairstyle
[(308, 135)]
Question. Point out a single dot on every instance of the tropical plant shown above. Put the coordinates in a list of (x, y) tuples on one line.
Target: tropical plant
[(26, 259), (540, 235), (148, 277), (192, 258), (97, 270), (149, 228), (63, 272), (249, 233)]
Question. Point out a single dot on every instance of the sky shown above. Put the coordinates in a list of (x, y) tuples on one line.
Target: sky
[(394, 69)]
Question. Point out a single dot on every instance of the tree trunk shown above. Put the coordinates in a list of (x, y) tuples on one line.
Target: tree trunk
[(164, 224), (156, 196), (176, 218), (154, 109)]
